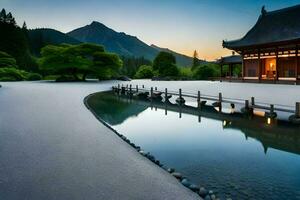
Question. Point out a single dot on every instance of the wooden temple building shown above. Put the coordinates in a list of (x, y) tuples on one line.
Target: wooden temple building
[(231, 62), (270, 50)]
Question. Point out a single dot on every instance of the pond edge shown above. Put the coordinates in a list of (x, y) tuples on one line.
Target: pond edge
[(201, 191)]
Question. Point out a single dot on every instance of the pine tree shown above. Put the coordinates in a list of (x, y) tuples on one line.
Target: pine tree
[(2, 15), (24, 26), (195, 60), (10, 19)]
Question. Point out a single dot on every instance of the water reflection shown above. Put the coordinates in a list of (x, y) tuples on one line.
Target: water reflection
[(234, 150), (272, 133)]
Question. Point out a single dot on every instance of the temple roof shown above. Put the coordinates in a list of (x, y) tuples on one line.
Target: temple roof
[(279, 26), (233, 59)]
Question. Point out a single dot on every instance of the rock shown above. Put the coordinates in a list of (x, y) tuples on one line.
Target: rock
[(138, 148), (171, 170), (150, 157), (194, 187), (123, 78), (132, 144), (210, 192), (203, 192), (177, 175), (185, 182), (142, 153), (213, 197), (180, 100), (207, 197), (294, 119), (216, 104)]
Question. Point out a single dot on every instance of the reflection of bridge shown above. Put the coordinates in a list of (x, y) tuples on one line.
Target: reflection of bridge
[(275, 134)]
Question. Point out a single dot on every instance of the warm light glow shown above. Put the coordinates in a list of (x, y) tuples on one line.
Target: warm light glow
[(271, 66), (259, 113), (269, 120)]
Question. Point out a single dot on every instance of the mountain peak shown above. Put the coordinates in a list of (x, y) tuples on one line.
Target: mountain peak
[(121, 43), (98, 24)]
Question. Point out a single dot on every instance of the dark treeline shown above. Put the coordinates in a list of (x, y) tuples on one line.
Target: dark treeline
[(14, 41), (38, 53), (132, 64)]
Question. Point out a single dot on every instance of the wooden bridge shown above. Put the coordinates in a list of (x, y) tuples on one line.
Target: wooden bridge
[(248, 106)]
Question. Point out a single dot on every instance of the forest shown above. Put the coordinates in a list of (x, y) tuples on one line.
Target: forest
[(31, 55)]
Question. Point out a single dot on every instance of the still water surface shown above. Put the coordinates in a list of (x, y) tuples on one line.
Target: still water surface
[(235, 156)]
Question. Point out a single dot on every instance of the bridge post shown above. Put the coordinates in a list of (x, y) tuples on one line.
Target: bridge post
[(166, 94), (180, 95), (246, 104), (151, 92), (297, 111), (220, 102), (252, 101), (199, 100)]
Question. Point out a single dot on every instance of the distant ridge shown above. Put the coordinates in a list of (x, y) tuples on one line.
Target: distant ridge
[(121, 43), (40, 37), (113, 41), (180, 58)]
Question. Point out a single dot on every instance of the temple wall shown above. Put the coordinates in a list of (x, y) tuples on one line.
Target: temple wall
[(286, 66), (251, 67), (299, 68)]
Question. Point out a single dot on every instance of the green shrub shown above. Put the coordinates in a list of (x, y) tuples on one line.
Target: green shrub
[(7, 61), (34, 77), (204, 72), (186, 73), (66, 78), (144, 71), (165, 64), (12, 74)]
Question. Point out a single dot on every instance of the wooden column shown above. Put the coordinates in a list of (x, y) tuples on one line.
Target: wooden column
[(259, 66), (297, 63), (277, 65), (243, 66)]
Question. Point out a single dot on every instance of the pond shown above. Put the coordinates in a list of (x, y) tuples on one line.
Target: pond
[(234, 155)]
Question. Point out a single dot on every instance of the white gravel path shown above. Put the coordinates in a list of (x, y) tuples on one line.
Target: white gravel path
[(52, 147)]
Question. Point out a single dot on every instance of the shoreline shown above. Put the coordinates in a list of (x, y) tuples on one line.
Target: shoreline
[(53, 147), (201, 191)]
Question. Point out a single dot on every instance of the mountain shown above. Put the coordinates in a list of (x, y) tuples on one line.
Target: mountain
[(180, 58), (113, 41), (122, 43), (38, 38)]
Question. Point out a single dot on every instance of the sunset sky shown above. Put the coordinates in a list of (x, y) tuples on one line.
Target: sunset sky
[(180, 25)]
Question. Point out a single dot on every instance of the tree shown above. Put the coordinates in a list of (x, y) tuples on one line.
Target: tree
[(24, 26), (165, 64), (106, 65), (7, 61), (2, 15), (195, 60), (14, 41), (62, 60), (144, 71), (132, 64), (82, 59), (204, 72)]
